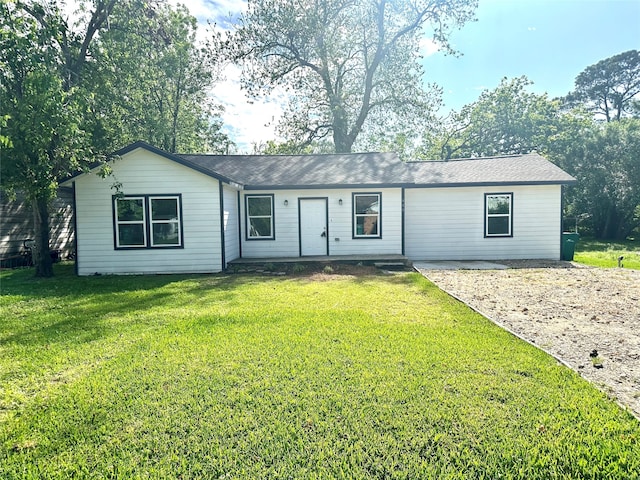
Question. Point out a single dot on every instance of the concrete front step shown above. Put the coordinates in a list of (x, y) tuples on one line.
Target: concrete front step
[(273, 265)]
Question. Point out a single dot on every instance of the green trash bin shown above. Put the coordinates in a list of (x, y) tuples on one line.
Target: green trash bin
[(569, 240)]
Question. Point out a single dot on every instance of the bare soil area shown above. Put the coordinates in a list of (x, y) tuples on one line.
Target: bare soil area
[(568, 310)]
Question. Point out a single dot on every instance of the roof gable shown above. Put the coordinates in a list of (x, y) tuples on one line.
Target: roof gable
[(145, 146)]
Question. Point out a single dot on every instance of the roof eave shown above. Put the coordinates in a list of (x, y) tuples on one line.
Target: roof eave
[(328, 186), (491, 184)]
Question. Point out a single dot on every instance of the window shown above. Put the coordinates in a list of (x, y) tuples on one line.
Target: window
[(130, 222), (165, 221), (260, 217), (366, 215), (498, 214), (147, 221)]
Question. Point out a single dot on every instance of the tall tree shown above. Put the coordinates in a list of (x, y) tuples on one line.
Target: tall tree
[(43, 62), (344, 63), (610, 87), (605, 159), (161, 76), (506, 120), (72, 92)]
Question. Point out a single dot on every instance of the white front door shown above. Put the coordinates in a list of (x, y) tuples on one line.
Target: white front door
[(314, 237)]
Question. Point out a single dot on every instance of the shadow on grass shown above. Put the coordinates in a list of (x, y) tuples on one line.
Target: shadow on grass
[(68, 309)]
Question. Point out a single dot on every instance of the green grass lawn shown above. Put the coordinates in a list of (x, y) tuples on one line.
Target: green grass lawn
[(258, 377), (600, 253)]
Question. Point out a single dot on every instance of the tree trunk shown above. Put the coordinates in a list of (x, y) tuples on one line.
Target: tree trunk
[(40, 254), (342, 143)]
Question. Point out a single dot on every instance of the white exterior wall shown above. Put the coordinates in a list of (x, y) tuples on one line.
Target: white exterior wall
[(145, 173), (448, 224), (230, 223), (340, 228)]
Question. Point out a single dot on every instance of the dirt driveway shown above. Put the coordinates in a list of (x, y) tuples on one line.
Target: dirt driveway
[(567, 309)]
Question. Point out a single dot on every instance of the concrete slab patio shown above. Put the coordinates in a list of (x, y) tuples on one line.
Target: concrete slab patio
[(458, 265)]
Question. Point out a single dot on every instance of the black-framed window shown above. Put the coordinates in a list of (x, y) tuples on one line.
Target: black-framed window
[(498, 213), (367, 215), (147, 221), (259, 218)]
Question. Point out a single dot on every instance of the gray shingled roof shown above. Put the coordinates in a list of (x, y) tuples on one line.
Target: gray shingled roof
[(530, 168), (262, 171), (363, 170), (368, 169)]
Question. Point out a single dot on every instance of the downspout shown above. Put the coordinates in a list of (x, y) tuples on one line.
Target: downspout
[(402, 219), (75, 227), (222, 236), (562, 188), (239, 228)]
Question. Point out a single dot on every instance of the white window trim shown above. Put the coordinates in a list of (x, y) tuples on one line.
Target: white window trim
[(362, 215), (142, 222), (153, 222), (147, 222), (488, 215), (249, 236)]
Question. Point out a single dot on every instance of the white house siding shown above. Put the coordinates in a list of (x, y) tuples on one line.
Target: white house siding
[(448, 224), (341, 241), (230, 222), (145, 173)]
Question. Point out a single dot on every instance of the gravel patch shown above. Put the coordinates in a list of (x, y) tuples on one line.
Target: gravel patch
[(587, 317)]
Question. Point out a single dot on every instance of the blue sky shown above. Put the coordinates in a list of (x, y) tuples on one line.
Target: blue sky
[(549, 41)]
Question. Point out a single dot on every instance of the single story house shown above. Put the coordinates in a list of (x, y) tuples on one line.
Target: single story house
[(195, 213)]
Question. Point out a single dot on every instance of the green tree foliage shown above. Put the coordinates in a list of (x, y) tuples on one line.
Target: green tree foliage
[(348, 65), (42, 61), (610, 87), (605, 159), (503, 121), (153, 79)]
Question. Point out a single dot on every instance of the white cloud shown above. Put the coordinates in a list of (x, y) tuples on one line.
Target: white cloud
[(215, 11), (247, 121), (428, 47)]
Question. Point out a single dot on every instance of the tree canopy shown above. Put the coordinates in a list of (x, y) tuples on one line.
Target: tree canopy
[(346, 64), (605, 159), (504, 121), (157, 80), (609, 87), (43, 62)]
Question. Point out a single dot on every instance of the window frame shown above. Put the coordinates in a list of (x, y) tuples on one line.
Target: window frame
[(147, 222), (488, 215), (355, 215), (247, 217), (117, 222)]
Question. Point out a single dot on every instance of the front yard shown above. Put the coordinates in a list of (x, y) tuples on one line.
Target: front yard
[(243, 376)]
